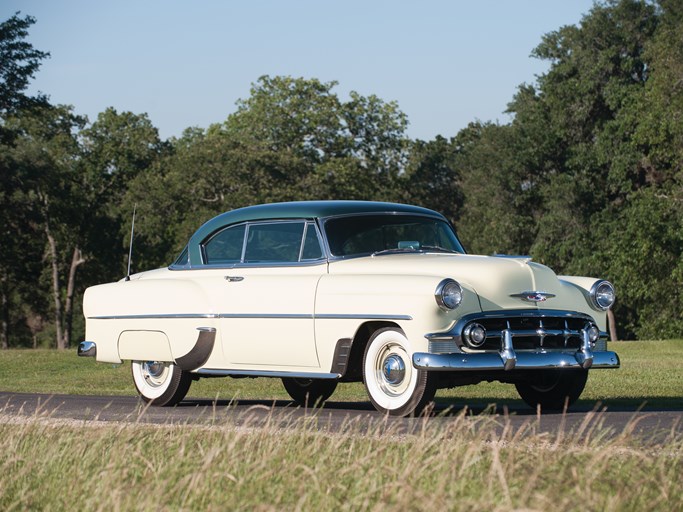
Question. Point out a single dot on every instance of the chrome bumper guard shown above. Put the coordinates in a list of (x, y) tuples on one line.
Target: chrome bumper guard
[(87, 349), (507, 359)]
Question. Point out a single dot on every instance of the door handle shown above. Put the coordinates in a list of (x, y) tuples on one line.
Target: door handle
[(234, 279)]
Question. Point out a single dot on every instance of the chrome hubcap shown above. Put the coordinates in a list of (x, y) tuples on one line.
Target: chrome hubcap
[(155, 372), (394, 369)]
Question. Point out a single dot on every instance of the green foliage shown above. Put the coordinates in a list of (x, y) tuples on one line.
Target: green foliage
[(19, 62), (292, 139), (587, 178)]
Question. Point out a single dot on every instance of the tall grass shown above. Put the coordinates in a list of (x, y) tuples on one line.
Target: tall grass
[(463, 464)]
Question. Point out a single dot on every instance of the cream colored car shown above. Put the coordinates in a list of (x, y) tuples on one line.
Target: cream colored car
[(318, 293)]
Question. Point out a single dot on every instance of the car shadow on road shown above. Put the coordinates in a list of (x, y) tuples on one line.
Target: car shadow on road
[(482, 406)]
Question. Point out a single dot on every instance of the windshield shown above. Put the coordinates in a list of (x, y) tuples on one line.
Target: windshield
[(374, 234)]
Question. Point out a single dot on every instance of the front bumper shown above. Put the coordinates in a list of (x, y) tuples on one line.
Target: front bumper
[(522, 361)]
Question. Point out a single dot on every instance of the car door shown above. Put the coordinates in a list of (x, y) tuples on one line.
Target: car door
[(264, 297)]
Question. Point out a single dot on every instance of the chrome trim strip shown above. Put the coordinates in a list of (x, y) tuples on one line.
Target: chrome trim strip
[(263, 373), (294, 316), (524, 361), (156, 316), (266, 316), (363, 317)]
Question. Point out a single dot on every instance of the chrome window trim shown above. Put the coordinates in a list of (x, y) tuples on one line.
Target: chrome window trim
[(216, 266), (319, 223), (202, 245), (267, 222), (241, 264)]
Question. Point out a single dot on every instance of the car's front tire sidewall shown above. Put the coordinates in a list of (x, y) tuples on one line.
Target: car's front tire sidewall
[(403, 391)]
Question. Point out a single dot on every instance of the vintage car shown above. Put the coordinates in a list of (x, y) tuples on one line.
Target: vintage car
[(318, 293)]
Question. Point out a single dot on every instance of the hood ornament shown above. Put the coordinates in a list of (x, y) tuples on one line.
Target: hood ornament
[(533, 296)]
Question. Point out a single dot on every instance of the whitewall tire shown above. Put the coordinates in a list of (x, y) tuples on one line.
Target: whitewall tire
[(394, 386), (160, 383)]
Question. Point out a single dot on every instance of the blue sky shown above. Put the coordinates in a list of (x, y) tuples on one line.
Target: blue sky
[(446, 63)]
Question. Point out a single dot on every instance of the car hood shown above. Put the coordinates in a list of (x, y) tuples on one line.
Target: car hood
[(495, 279)]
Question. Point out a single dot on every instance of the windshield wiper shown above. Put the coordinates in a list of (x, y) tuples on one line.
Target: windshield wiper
[(395, 250), (422, 248), (436, 248)]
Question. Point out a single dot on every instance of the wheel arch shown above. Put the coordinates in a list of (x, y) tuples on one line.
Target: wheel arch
[(354, 364)]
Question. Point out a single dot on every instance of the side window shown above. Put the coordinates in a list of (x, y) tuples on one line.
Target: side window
[(312, 249), (183, 259), (279, 242), (225, 246)]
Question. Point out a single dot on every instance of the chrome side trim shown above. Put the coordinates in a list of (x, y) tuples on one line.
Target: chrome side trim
[(260, 373), (525, 361), (292, 316), (156, 316), (87, 349), (363, 317), (255, 315)]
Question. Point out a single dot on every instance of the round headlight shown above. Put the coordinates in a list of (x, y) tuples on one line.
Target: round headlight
[(448, 294), (603, 295)]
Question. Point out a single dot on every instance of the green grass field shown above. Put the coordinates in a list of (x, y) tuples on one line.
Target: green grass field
[(462, 464), (651, 373)]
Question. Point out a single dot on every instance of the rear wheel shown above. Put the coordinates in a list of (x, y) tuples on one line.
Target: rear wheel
[(309, 392), (394, 386), (160, 383), (553, 389)]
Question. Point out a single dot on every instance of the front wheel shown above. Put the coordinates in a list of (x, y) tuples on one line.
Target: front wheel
[(309, 392), (160, 383), (394, 386), (553, 389)]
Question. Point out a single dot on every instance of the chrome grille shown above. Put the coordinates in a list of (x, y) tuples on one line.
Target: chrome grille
[(529, 333)]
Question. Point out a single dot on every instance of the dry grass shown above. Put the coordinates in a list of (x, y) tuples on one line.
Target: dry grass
[(463, 464)]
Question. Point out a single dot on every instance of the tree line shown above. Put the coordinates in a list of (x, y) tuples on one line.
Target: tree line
[(587, 177)]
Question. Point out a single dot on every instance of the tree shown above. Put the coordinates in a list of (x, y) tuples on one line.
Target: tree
[(432, 177), (19, 62), (292, 139), (46, 203)]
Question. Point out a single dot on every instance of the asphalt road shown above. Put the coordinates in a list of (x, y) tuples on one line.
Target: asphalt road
[(652, 425)]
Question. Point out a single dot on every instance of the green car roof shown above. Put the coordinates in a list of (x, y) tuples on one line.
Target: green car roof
[(298, 210)]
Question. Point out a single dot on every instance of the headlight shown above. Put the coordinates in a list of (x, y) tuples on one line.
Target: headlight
[(448, 294), (602, 295)]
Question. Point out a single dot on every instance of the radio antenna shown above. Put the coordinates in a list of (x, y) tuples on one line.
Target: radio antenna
[(130, 248)]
